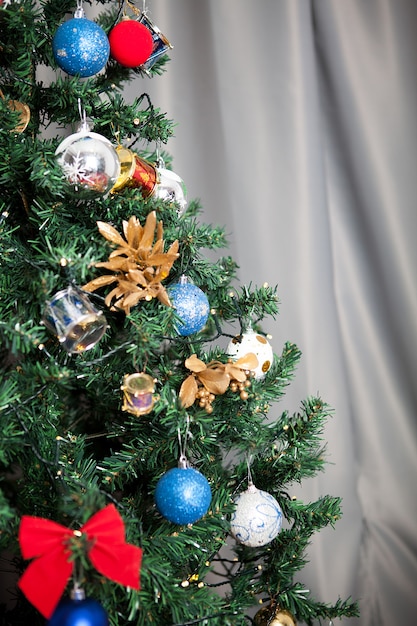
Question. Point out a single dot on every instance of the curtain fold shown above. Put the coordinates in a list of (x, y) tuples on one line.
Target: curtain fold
[(363, 53), (297, 130)]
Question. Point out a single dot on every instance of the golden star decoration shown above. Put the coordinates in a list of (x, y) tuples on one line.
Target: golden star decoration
[(208, 381), (138, 263)]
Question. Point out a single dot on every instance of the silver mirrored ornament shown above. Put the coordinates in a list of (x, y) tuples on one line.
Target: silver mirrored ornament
[(89, 162), (170, 188)]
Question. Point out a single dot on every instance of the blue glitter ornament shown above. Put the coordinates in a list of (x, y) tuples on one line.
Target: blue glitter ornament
[(86, 612), (192, 307), (183, 495), (81, 46)]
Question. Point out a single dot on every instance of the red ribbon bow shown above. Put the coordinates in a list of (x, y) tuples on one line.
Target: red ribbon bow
[(45, 579)]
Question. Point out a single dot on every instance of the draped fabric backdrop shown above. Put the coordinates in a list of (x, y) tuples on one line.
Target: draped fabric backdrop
[(297, 129)]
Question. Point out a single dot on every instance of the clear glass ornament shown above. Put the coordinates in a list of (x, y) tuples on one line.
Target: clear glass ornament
[(74, 320)]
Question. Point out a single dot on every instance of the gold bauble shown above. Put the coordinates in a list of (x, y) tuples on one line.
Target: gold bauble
[(22, 109), (24, 114), (263, 616), (283, 618), (268, 617)]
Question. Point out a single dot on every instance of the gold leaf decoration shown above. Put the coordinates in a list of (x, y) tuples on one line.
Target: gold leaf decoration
[(208, 381), (188, 391), (138, 263)]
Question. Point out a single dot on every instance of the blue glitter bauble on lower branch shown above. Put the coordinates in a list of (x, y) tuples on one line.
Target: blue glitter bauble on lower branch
[(85, 612), (191, 305), (183, 495), (81, 46)]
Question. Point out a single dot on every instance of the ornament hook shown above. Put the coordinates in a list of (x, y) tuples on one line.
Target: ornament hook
[(77, 592), (249, 323), (183, 461), (84, 126), (249, 459), (159, 161), (80, 10)]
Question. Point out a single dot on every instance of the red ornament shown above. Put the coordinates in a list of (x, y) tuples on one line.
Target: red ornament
[(131, 43), (45, 579)]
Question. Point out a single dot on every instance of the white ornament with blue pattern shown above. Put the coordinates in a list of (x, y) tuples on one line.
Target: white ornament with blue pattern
[(257, 518)]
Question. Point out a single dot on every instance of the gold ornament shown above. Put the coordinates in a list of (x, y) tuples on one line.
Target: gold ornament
[(22, 109), (138, 392), (139, 264), (24, 114), (268, 616), (283, 618), (262, 616)]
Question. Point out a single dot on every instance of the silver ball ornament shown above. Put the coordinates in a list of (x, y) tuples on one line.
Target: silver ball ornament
[(89, 162), (170, 188)]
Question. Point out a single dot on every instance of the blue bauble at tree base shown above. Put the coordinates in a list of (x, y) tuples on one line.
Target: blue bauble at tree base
[(191, 306), (86, 612), (183, 495), (81, 47)]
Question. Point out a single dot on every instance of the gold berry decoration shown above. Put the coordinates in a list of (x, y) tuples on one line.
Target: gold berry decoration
[(207, 381)]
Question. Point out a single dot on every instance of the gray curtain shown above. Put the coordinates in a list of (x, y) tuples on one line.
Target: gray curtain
[(297, 129)]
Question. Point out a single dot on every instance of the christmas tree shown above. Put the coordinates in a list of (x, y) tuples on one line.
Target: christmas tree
[(143, 478)]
